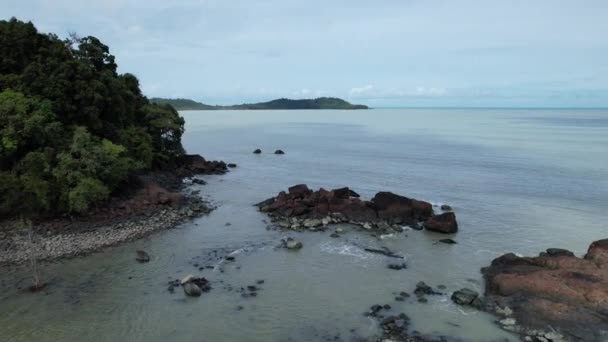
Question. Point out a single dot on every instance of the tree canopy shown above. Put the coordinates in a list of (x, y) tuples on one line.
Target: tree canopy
[(72, 129)]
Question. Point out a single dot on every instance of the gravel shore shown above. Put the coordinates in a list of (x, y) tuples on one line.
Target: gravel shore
[(16, 248)]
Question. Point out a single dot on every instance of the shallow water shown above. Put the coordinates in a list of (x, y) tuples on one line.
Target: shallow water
[(519, 180)]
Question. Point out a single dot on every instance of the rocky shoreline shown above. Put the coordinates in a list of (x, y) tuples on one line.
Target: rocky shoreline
[(554, 289), (160, 203), (553, 297)]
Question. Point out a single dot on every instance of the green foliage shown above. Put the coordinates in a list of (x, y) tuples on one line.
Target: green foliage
[(72, 130), (86, 193)]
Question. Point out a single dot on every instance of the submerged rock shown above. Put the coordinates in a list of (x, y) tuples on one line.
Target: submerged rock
[(555, 289), (192, 290), (464, 296), (257, 151), (384, 251), (142, 256), (293, 244), (279, 152), (198, 181), (397, 267)]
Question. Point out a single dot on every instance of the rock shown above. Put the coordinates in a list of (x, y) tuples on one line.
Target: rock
[(507, 321), (279, 152), (257, 151), (232, 165), (196, 164), (442, 223), (397, 267), (299, 191), (555, 289), (423, 289), (198, 181), (386, 212), (310, 223), (142, 256), (448, 241), (293, 244), (417, 226), (554, 336), (464, 296), (352, 193), (339, 230), (559, 252), (187, 279), (192, 290), (446, 207), (334, 235), (398, 209), (384, 251)]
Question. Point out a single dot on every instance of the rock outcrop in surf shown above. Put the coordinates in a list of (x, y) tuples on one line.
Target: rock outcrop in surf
[(302, 208)]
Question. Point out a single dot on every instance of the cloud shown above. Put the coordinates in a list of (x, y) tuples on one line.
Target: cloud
[(357, 91), (371, 92), (386, 50)]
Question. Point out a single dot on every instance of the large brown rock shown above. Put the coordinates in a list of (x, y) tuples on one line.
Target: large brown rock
[(399, 209), (442, 223), (299, 191), (196, 164), (555, 289)]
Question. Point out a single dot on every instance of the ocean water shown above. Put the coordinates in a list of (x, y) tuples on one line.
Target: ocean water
[(519, 181)]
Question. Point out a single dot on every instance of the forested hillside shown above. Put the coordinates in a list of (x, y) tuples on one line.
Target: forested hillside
[(72, 129), (287, 104)]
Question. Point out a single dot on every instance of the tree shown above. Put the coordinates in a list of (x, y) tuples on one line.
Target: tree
[(72, 130)]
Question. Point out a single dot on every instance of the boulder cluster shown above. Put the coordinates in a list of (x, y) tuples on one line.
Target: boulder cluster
[(302, 208)]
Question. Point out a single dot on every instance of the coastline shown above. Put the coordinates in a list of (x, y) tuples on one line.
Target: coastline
[(162, 201), (58, 246)]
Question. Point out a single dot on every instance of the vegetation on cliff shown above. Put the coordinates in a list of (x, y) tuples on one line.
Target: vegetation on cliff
[(72, 129), (318, 103)]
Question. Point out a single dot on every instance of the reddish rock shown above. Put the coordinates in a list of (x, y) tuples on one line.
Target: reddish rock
[(399, 209), (299, 191), (196, 164), (442, 223), (343, 193), (555, 289), (386, 207)]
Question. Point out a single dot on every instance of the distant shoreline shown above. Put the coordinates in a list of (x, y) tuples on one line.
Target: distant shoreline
[(278, 104)]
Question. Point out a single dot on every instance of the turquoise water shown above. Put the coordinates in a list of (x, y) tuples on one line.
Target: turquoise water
[(519, 181)]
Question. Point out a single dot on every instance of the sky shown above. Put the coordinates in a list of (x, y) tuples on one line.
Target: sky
[(384, 53)]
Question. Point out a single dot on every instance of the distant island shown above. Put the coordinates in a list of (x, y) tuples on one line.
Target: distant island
[(318, 103)]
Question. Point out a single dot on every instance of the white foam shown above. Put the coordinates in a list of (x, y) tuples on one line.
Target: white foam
[(343, 249)]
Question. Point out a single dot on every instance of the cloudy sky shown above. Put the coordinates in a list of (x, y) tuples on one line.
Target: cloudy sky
[(550, 53)]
